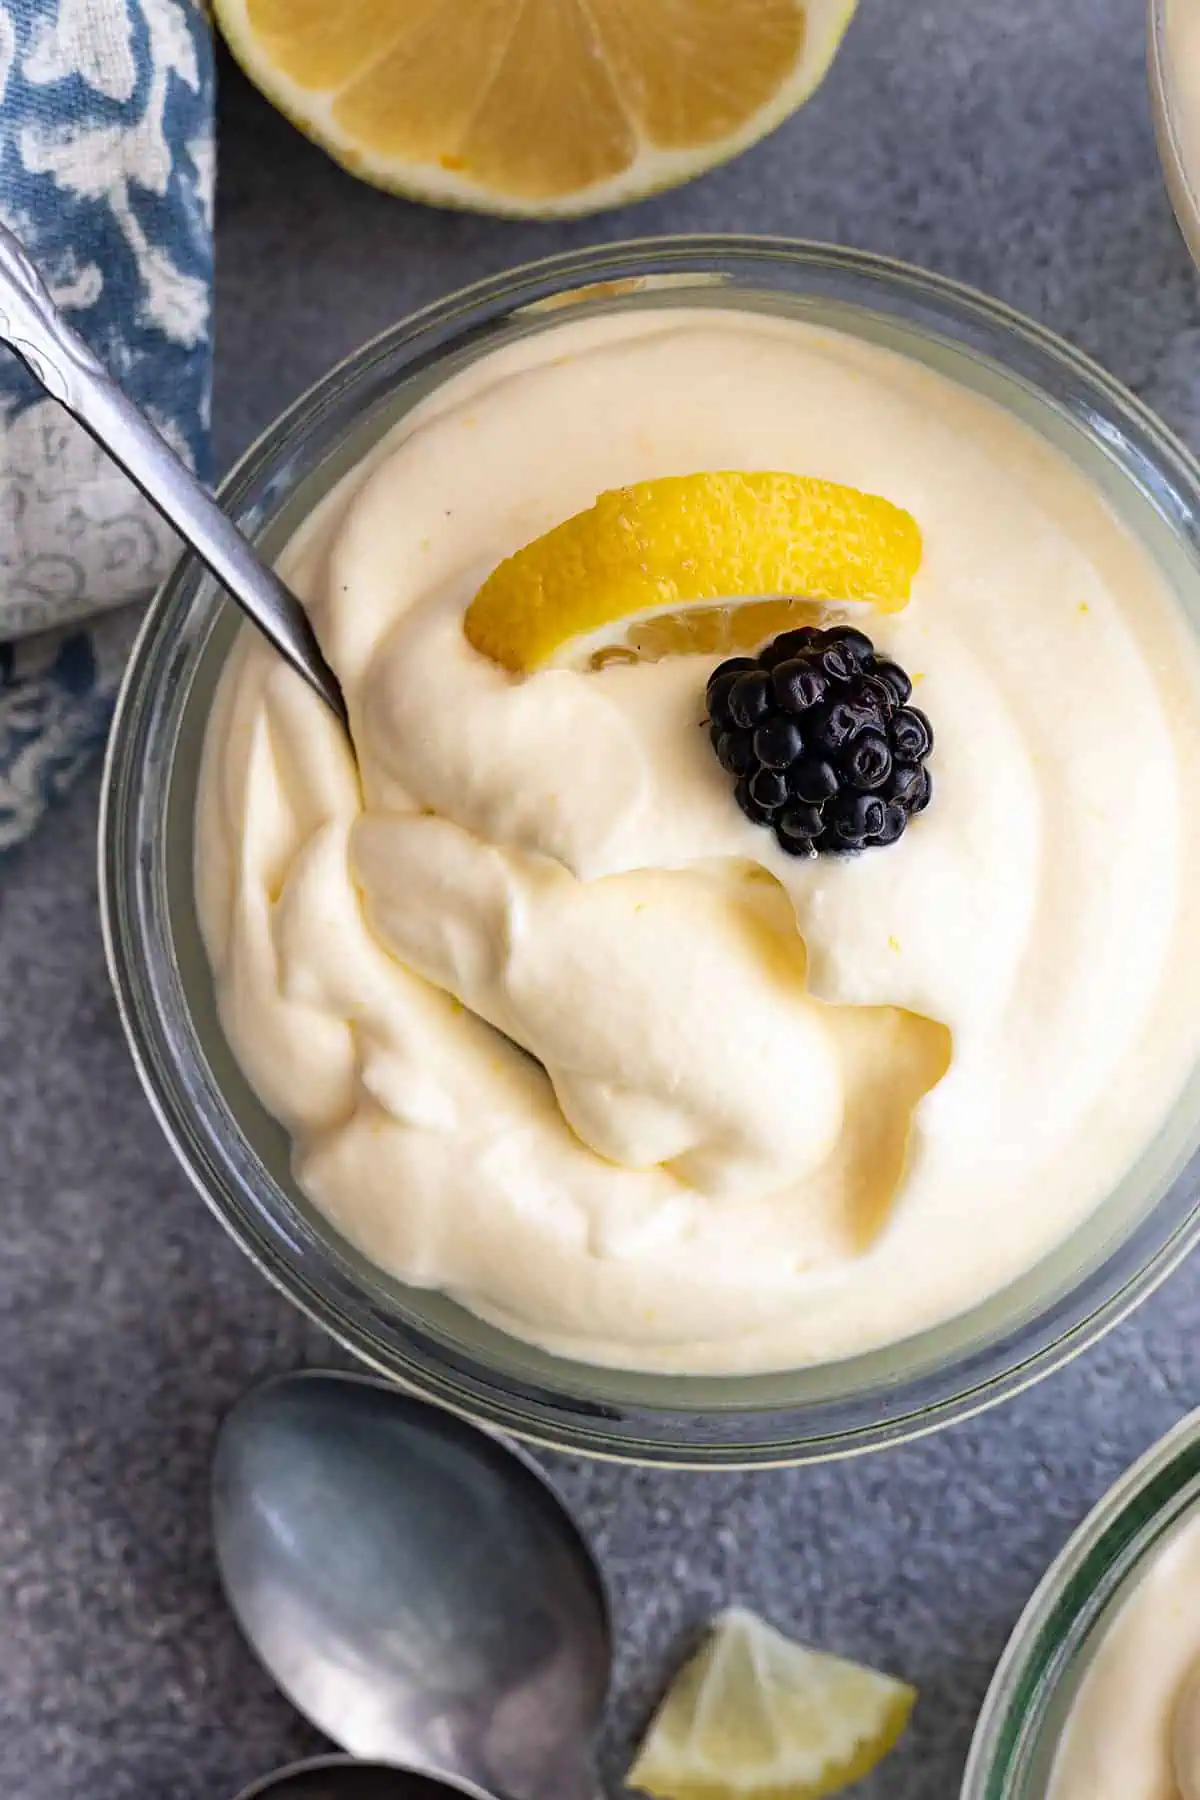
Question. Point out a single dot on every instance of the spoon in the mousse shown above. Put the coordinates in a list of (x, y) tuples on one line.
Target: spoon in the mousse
[(61, 363)]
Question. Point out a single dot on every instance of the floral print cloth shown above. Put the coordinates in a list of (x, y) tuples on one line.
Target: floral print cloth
[(106, 171)]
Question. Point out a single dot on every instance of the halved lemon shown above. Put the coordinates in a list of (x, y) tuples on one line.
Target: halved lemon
[(659, 563), (755, 1716), (535, 107)]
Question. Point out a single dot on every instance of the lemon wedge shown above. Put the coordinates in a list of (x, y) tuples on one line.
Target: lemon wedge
[(755, 1716), (534, 107), (652, 555)]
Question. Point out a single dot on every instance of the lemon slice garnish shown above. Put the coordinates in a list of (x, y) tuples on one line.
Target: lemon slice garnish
[(539, 107), (660, 550), (756, 1715)]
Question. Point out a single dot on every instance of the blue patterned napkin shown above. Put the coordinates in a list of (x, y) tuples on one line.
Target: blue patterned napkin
[(106, 167)]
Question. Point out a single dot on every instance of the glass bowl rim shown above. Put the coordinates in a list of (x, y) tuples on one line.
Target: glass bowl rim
[(670, 1435), (1083, 1580)]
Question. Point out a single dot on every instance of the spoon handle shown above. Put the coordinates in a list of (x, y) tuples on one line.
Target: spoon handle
[(61, 362)]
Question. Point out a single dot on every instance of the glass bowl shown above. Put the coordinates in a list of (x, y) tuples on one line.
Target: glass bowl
[(1175, 96), (238, 1157), (1047, 1656)]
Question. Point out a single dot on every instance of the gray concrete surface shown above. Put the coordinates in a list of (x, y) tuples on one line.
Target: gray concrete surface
[(1007, 144)]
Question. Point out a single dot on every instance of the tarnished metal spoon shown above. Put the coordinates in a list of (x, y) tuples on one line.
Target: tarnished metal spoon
[(61, 362), (413, 1584), (341, 1778)]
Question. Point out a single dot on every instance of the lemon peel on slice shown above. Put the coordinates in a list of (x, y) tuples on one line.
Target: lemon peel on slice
[(668, 547)]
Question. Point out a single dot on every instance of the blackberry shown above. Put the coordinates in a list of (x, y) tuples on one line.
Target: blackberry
[(894, 679), (820, 736), (853, 818), (750, 698), (904, 784), (735, 750), (778, 742), (867, 760), (799, 685), (797, 826), (768, 789), (788, 643), (795, 642), (836, 725), (846, 653), (912, 734), (759, 815), (894, 820), (814, 780), (720, 686)]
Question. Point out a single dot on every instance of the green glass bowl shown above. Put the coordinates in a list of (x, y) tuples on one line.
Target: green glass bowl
[(1026, 1707)]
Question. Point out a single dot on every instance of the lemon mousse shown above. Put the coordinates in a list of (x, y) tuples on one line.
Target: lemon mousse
[(577, 1013), (1133, 1731)]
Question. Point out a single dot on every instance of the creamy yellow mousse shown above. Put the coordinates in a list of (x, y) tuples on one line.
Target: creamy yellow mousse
[(555, 1027)]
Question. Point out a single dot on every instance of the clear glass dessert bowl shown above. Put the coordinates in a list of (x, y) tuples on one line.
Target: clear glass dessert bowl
[(1175, 96), (1029, 1701), (237, 1155)]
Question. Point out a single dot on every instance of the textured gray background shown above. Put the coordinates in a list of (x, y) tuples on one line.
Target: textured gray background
[(1006, 143)]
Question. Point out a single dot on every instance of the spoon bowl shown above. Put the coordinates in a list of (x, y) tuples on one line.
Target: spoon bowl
[(341, 1778), (413, 1584)]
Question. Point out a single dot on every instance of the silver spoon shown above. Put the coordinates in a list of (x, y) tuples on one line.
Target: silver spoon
[(413, 1585), (341, 1778), (61, 362)]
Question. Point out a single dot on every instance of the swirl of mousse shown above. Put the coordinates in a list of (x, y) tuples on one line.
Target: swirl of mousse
[(558, 1030)]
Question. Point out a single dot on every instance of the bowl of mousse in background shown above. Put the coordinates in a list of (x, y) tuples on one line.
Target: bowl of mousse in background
[(996, 374), (1174, 62), (1097, 1695)]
